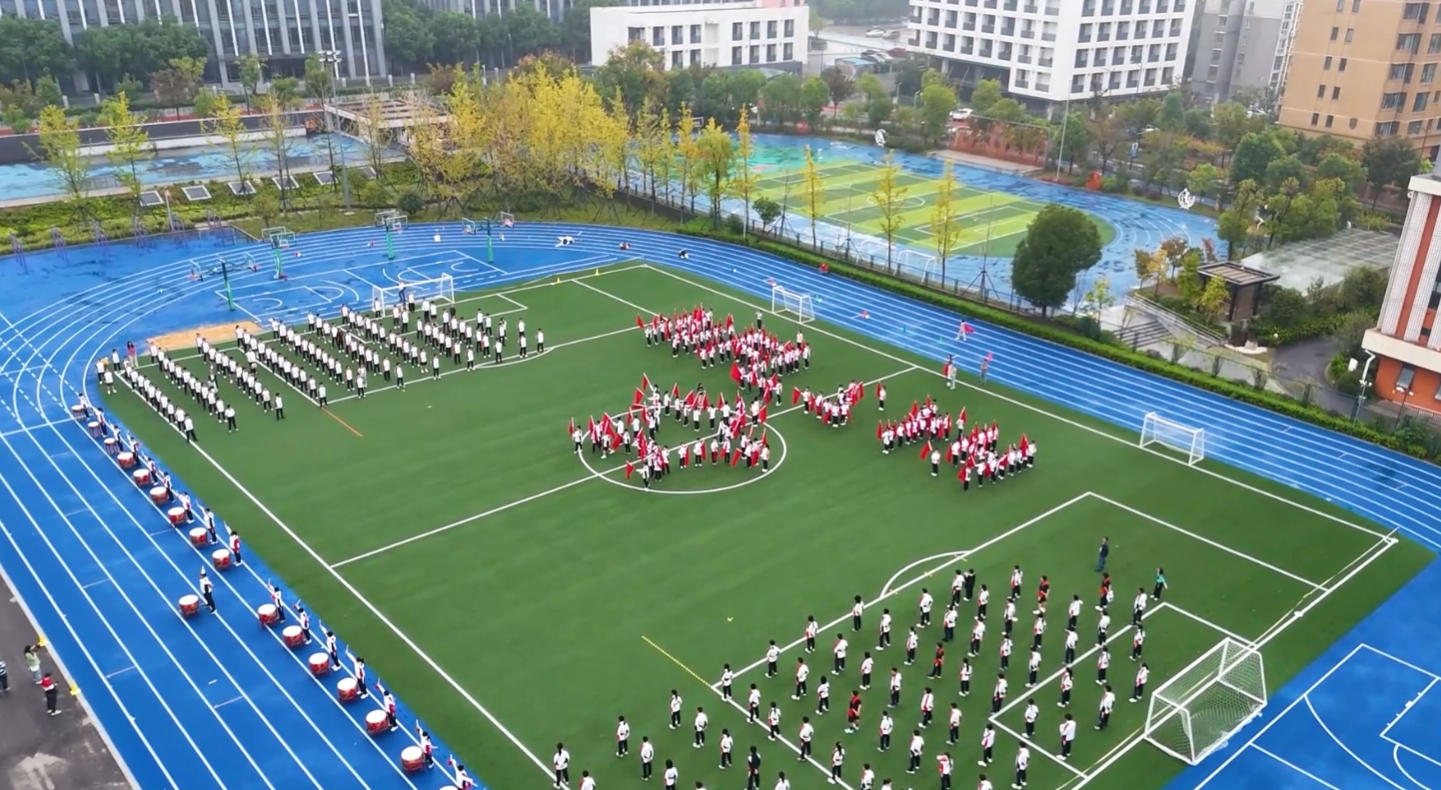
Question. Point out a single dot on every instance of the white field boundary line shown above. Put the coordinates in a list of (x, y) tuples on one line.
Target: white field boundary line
[(1038, 410), (888, 592), (1286, 621), (380, 616), (1302, 771), (533, 497), (1209, 542)]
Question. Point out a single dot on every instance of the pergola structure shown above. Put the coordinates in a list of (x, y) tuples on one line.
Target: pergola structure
[(1243, 284)]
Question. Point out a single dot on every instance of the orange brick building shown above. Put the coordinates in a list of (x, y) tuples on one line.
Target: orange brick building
[(1406, 340)]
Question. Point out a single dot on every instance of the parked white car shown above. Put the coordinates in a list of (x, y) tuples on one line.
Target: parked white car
[(962, 114), (876, 32)]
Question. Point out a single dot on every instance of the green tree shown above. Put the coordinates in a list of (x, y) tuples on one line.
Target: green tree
[(1252, 156), (1206, 181), (743, 178), (47, 90), (1060, 243), (768, 211), (717, 156), (878, 110), (30, 48), (986, 94), (204, 103), (1212, 300), (1389, 161), (781, 97), (1151, 266), (1188, 279), (228, 124), (937, 100), (319, 78), (1286, 168), (1098, 299), (1338, 165), (409, 39), (1198, 124), (129, 142), (61, 151), (250, 75), (840, 86), (176, 84), (458, 37), (1231, 123), (870, 86), (1236, 223), (1173, 112), (285, 93), (814, 95), (16, 117), (575, 28), (147, 47), (815, 192), (945, 224), (1073, 138), (889, 197), (634, 72)]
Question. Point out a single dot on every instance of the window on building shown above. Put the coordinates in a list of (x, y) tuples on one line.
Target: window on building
[(790, 49), (1175, 31), (1315, 118), (737, 56), (1351, 33), (677, 59), (1396, 72), (695, 34), (1408, 42), (1078, 83), (635, 34), (1123, 31), (1341, 64), (1340, 6), (1326, 64), (771, 29), (1355, 6), (1320, 91), (1406, 377), (1335, 92), (738, 31), (1171, 52), (1413, 127), (755, 53), (755, 30), (1391, 101), (1428, 72), (1082, 58), (695, 57), (1415, 12), (657, 36), (1329, 120), (1335, 31), (1420, 103), (770, 53), (790, 28), (677, 35), (1100, 58)]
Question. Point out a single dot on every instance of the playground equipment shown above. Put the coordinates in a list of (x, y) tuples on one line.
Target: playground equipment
[(98, 232), (393, 222), (138, 231), (280, 240), (57, 239), (19, 250)]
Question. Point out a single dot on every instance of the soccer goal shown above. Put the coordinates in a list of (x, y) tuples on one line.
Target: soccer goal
[(505, 219), (437, 289), (1156, 429), (798, 305), (1195, 712)]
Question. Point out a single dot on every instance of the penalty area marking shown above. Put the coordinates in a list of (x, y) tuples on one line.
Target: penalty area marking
[(784, 451)]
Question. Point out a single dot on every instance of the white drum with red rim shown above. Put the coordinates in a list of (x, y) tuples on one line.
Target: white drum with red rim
[(319, 664), (198, 536), (347, 689), (95, 429), (141, 477), (111, 446), (268, 614), (159, 495), (220, 558), (376, 722), (293, 635), (176, 515), (189, 605), (412, 758), (125, 459)]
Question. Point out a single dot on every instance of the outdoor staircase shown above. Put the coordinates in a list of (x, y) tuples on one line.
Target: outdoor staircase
[(1143, 332), (1148, 322)]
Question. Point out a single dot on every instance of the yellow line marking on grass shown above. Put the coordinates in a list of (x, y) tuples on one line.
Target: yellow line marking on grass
[(675, 661), (347, 425)]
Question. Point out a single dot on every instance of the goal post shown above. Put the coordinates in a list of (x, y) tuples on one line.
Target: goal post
[(437, 289), (1197, 711), (1156, 429), (798, 305)]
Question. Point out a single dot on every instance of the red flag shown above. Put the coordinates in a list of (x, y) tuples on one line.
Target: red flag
[(639, 322), (989, 356), (1024, 443), (640, 446), (637, 399), (961, 473), (629, 467), (915, 408), (705, 402), (928, 401), (735, 457), (720, 400), (735, 373), (879, 387), (795, 395), (946, 369), (761, 417), (950, 453), (880, 429), (690, 399), (967, 328), (675, 390), (644, 383), (961, 419), (590, 426), (730, 322), (926, 451)]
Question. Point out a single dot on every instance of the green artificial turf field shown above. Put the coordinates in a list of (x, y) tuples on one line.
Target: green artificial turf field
[(515, 595), (992, 223)]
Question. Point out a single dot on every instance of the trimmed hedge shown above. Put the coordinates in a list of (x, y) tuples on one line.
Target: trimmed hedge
[(1243, 392)]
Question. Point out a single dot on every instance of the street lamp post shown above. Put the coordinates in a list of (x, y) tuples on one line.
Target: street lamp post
[(1365, 382), (332, 57)]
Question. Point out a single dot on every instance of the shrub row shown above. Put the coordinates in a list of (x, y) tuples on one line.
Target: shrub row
[(1267, 334), (1240, 391)]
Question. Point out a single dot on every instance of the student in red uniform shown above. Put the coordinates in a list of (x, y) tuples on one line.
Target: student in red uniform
[(853, 712), (235, 546)]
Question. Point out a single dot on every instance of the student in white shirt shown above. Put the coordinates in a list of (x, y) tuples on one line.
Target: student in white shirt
[(587, 782), (1068, 736), (727, 746), (560, 763), (701, 722), (647, 757), (622, 737), (671, 775), (1023, 763)]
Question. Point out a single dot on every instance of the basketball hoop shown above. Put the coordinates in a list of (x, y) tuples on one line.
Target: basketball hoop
[(1186, 200)]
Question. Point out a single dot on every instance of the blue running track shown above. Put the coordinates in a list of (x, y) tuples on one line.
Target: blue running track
[(220, 702)]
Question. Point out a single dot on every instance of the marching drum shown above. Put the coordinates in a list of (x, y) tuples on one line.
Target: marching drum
[(159, 495), (347, 689), (376, 722), (198, 536), (293, 636), (268, 614), (189, 605), (220, 558), (125, 459), (176, 516), (319, 664)]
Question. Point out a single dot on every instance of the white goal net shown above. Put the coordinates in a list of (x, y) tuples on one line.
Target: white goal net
[(1195, 712), (440, 288), (798, 305), (1156, 429)]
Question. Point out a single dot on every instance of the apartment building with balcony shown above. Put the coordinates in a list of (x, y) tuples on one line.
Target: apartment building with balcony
[(748, 34), (1366, 68), (1243, 45), (1047, 53), (281, 32)]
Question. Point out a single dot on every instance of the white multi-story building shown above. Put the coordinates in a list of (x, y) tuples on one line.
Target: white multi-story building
[(281, 32), (1050, 52), (752, 33)]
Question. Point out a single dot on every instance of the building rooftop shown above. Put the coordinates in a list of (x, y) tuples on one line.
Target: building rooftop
[(1301, 263)]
